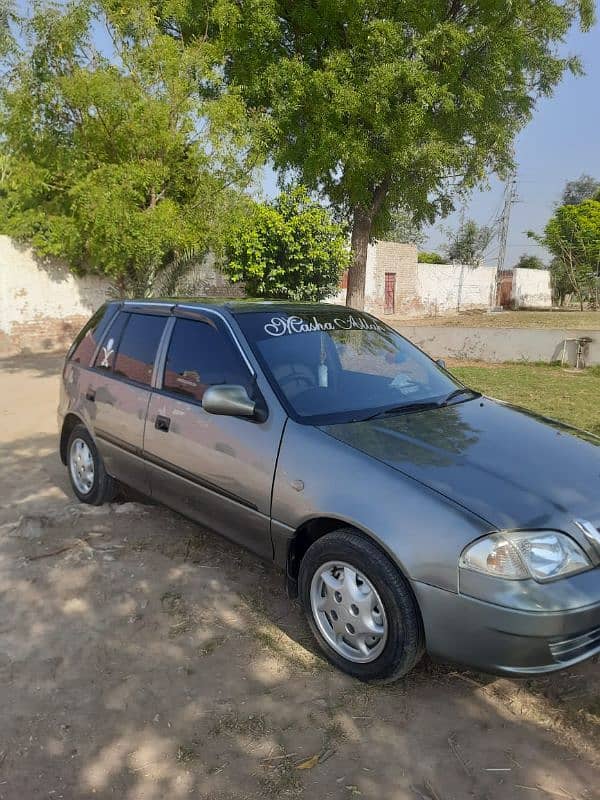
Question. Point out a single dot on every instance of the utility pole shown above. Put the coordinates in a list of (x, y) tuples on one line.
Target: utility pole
[(510, 198)]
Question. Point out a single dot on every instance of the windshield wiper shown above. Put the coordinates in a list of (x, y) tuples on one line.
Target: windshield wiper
[(424, 405), (458, 393), (405, 408)]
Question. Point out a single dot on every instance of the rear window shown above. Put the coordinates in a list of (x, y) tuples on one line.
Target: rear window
[(84, 346), (137, 349)]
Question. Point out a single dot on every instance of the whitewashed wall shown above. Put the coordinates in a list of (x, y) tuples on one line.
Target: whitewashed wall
[(531, 287), (42, 304), (443, 288)]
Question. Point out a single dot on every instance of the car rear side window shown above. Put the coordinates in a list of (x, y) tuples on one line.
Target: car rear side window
[(200, 355), (84, 346), (137, 348), (106, 354)]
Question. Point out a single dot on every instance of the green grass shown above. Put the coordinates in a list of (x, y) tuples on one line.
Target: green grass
[(572, 397)]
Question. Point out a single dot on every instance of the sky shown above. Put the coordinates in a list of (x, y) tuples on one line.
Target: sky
[(561, 142)]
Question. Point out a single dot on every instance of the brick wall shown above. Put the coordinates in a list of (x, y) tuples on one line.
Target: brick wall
[(43, 305), (394, 259)]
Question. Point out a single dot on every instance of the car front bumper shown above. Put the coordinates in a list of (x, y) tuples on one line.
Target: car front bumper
[(503, 640)]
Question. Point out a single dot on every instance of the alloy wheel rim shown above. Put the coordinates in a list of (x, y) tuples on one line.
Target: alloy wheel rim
[(348, 612), (81, 465)]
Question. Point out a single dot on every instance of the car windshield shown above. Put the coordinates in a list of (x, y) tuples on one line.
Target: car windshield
[(333, 365)]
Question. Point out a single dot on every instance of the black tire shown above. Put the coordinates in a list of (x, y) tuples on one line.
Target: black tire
[(104, 488), (405, 643)]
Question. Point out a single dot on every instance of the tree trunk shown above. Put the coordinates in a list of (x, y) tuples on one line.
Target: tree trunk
[(362, 223), (361, 231)]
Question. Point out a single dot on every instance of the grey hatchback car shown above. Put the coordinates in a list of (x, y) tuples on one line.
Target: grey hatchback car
[(407, 511)]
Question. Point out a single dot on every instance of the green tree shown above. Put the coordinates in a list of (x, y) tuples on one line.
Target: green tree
[(572, 235), (380, 105), (469, 243), (120, 163), (528, 261), (583, 188), (288, 249), (431, 258), (402, 228)]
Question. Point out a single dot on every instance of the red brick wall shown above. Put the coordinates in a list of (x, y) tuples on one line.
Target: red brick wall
[(41, 335)]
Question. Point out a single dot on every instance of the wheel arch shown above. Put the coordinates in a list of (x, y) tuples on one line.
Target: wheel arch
[(70, 421), (315, 528)]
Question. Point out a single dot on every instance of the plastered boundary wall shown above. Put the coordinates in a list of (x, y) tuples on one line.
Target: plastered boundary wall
[(42, 304)]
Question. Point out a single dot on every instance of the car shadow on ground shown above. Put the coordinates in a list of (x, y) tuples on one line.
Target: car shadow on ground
[(42, 364), (144, 657)]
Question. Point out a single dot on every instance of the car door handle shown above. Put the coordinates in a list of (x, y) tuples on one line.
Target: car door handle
[(90, 395), (162, 423)]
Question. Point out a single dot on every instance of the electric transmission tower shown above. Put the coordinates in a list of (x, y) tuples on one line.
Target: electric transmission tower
[(510, 198)]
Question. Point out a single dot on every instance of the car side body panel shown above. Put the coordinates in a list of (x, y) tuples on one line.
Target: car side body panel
[(217, 470), (420, 530)]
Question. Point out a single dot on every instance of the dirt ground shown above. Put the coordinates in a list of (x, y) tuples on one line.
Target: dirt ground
[(565, 319), (143, 658)]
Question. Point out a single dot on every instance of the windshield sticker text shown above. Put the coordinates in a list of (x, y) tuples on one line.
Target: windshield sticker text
[(279, 326)]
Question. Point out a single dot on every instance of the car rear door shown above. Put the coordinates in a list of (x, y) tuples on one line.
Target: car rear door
[(117, 393), (216, 469)]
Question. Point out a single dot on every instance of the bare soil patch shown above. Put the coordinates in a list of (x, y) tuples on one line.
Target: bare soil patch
[(142, 657), (561, 319)]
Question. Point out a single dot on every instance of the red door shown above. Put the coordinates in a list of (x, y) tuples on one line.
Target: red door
[(390, 293), (505, 289)]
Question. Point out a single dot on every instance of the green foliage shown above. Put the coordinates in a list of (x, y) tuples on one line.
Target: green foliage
[(528, 261), (290, 249), (431, 258), (469, 243), (387, 105), (403, 229), (118, 163), (572, 235), (583, 188)]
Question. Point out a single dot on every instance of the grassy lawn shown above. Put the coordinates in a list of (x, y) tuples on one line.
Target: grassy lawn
[(568, 396), (566, 320)]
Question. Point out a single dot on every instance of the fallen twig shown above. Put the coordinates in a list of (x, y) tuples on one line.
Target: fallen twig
[(78, 543)]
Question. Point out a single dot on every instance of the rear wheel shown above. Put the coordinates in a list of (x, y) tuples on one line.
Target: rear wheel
[(89, 479), (360, 608)]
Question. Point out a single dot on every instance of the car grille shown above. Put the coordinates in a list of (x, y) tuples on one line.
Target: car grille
[(576, 646)]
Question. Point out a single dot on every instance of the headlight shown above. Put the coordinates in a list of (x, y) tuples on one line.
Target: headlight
[(517, 555)]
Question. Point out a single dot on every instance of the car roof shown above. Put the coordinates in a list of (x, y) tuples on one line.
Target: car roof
[(234, 305)]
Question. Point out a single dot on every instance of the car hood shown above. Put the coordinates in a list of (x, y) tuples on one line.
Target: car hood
[(511, 467)]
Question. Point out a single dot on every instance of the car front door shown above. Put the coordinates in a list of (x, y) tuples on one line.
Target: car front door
[(215, 469), (117, 393)]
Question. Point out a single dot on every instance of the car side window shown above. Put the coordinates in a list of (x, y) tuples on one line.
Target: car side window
[(200, 355), (136, 351), (84, 346), (105, 359)]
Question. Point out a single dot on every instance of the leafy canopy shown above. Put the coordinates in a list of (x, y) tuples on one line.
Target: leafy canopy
[(118, 160), (572, 235), (383, 104), (290, 249), (528, 261), (425, 257), (469, 243), (582, 188), (403, 229)]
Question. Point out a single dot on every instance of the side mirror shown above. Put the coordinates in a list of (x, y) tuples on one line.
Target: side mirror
[(441, 363), (228, 400)]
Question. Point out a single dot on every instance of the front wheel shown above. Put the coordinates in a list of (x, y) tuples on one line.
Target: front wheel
[(89, 479), (360, 608)]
